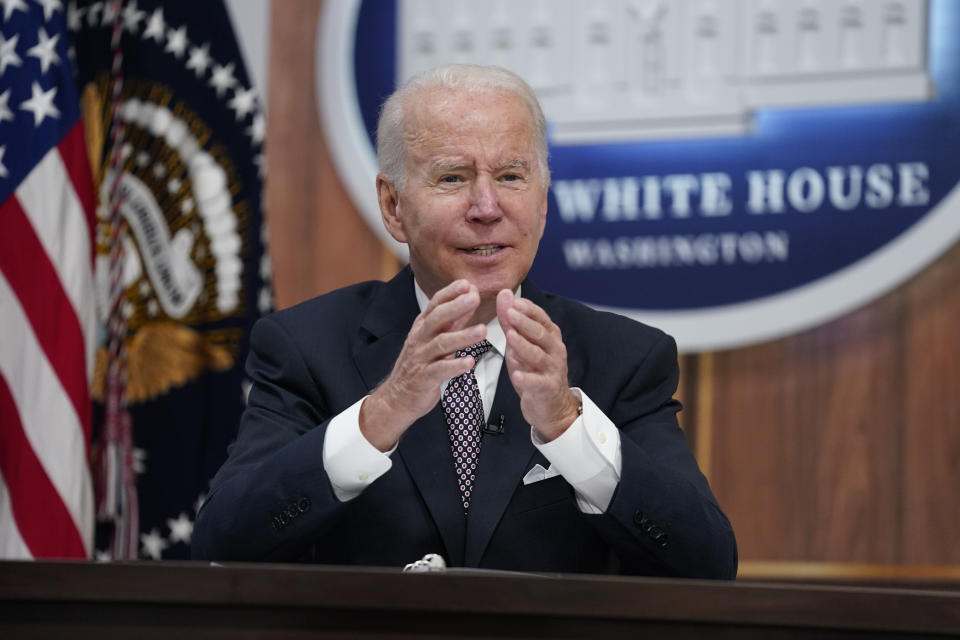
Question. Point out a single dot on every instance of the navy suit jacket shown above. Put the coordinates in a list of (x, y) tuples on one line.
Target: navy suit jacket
[(272, 500)]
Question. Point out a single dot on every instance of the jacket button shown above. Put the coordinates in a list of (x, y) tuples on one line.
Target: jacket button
[(303, 504), (638, 518)]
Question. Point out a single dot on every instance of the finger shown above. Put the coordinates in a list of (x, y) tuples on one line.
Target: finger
[(445, 345), (532, 311), (529, 385), (443, 370), (504, 304), (449, 292), (514, 363), (526, 354), (450, 315), (531, 329)]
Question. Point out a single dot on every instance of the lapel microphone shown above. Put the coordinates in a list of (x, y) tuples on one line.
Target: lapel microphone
[(494, 428)]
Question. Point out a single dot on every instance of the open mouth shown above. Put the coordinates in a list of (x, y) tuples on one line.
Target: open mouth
[(484, 249)]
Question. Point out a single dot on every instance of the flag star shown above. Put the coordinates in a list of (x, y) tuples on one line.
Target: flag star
[(5, 113), (74, 16), (143, 159), (126, 151), (102, 555), (92, 12), (264, 300), (180, 529), (186, 206), (8, 52), (45, 50), (109, 14), (3, 170), (41, 104), (9, 6), (174, 185), (177, 41), (132, 17), (222, 78), (153, 544), (155, 26), (243, 102), (266, 269), (199, 59), (257, 130), (49, 7), (159, 170)]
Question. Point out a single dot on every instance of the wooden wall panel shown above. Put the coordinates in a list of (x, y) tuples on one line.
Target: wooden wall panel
[(931, 438), (318, 240), (842, 444), (805, 441)]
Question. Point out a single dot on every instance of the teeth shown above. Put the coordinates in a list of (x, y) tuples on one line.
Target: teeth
[(485, 250)]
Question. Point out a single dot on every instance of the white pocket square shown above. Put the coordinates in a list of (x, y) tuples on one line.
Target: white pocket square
[(538, 474)]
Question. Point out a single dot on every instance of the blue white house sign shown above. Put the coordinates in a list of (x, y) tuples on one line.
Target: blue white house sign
[(728, 171)]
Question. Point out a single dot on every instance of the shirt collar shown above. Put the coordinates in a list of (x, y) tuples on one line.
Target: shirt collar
[(495, 333)]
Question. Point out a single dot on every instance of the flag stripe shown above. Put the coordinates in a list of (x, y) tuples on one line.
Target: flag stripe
[(12, 545), (53, 208), (44, 522), (46, 418), (31, 275), (73, 152)]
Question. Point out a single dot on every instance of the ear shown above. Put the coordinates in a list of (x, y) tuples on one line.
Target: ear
[(389, 199)]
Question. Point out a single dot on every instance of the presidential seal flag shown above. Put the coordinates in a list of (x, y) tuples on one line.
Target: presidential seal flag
[(47, 316), (175, 135)]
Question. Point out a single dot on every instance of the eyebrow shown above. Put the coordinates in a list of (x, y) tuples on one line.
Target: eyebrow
[(442, 166), (515, 164)]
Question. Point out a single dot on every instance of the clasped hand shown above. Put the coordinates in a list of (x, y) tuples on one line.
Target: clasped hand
[(536, 360)]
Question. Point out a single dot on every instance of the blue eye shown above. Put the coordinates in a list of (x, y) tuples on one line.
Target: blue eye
[(450, 179)]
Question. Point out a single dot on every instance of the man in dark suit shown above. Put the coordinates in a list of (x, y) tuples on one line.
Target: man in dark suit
[(457, 409)]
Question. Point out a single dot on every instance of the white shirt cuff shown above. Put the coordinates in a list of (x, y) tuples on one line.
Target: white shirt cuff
[(351, 462), (587, 455)]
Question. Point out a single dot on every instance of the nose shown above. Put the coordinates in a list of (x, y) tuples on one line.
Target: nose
[(484, 206)]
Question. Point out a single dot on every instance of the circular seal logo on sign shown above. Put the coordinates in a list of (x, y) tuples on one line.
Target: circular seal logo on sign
[(730, 172)]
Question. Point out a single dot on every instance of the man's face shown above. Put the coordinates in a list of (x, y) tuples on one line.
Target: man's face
[(474, 204)]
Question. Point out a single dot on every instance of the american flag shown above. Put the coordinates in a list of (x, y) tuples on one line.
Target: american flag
[(47, 308)]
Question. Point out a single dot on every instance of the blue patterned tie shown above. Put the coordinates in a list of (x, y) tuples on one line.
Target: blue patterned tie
[(463, 411)]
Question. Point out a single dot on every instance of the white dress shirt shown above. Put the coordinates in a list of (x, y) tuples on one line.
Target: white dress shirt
[(587, 454)]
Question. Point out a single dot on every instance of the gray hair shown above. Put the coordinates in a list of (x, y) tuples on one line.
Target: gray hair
[(469, 77)]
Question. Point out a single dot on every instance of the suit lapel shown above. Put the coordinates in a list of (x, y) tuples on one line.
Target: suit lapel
[(424, 448)]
